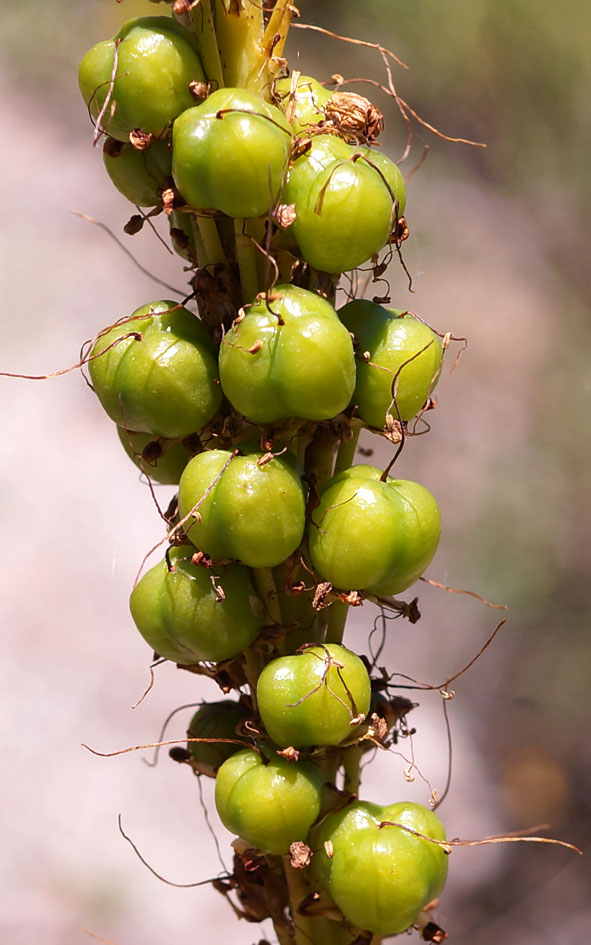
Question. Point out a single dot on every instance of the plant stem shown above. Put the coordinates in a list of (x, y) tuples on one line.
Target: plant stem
[(298, 890), (320, 455), (337, 617), (252, 671), (274, 38), (247, 263), (200, 250), (214, 251), (239, 30), (202, 20), (264, 582), (351, 759), (346, 453)]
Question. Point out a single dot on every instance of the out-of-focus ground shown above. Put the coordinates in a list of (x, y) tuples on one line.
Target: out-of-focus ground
[(497, 255)]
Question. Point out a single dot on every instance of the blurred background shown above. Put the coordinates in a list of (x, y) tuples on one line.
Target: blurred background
[(498, 254)]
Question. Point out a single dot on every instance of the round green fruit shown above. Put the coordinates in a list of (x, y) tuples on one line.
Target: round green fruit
[(309, 100), (243, 507), (312, 697), (230, 153), (140, 176), (373, 536), (215, 720), (393, 348), (162, 376), (156, 62), (185, 618), (270, 804), (345, 207), (381, 877), (289, 356)]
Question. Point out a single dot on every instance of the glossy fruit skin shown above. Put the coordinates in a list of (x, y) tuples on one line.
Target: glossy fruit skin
[(391, 338), (373, 536), (270, 805), (310, 99), (179, 615), (161, 460), (302, 362), (345, 210), (319, 718), (156, 61), (254, 513), (215, 720), (381, 879), (167, 382), (232, 162), (140, 175)]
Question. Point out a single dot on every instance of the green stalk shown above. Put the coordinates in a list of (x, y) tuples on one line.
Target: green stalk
[(320, 455), (202, 20), (346, 453), (298, 889), (274, 39), (337, 617), (247, 263), (264, 582), (214, 251), (351, 759), (239, 29), (200, 250)]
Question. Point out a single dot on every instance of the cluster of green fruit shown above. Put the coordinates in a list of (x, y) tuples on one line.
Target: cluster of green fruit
[(273, 188)]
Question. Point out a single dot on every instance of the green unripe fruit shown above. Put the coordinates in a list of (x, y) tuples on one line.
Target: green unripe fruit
[(245, 510), (162, 460), (140, 176), (310, 99), (373, 536), (230, 153), (381, 878), (386, 340), (215, 720), (289, 356), (313, 697), (346, 202), (163, 379), (270, 805), (185, 619), (156, 62)]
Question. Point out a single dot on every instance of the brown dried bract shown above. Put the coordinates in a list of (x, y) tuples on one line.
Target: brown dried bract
[(321, 595), (434, 933), (113, 148), (168, 200), (354, 116), (393, 429), (140, 140), (199, 90), (290, 754), (300, 855), (285, 215), (134, 224), (401, 231)]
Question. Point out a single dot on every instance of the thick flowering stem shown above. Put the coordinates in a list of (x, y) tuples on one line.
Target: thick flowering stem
[(275, 37), (240, 28), (211, 242), (265, 585), (247, 263), (202, 21), (337, 617), (347, 449)]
